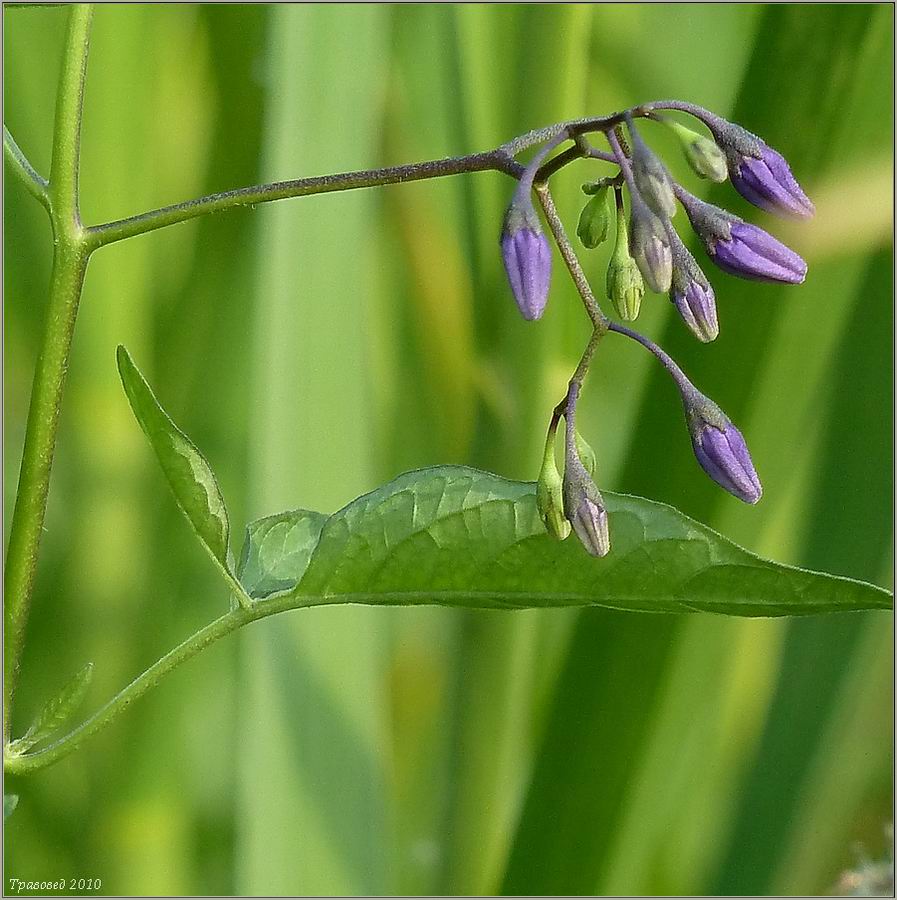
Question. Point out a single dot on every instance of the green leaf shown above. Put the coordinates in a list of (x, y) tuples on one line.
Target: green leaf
[(185, 468), (455, 536), (55, 713), (277, 550), (10, 802)]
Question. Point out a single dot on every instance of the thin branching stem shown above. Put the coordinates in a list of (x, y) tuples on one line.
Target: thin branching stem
[(34, 183)]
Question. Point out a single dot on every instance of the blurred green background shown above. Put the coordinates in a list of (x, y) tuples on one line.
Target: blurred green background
[(317, 347)]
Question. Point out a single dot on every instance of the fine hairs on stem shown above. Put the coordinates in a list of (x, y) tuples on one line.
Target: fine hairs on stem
[(74, 243)]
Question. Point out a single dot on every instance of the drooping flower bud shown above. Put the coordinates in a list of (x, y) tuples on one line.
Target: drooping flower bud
[(651, 177), (692, 294), (527, 258), (650, 246), (584, 508), (759, 173), (550, 496), (720, 448), (740, 248), (703, 154), (625, 285), (594, 220)]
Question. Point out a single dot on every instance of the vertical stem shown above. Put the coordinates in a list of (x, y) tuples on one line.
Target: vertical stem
[(69, 265), (67, 125)]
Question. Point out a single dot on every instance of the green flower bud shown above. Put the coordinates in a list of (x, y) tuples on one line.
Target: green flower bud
[(706, 159), (625, 285), (594, 220), (586, 454), (550, 495)]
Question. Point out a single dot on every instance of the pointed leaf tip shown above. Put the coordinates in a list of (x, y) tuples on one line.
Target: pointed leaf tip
[(187, 471)]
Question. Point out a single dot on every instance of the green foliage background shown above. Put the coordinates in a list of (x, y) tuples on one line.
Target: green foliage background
[(315, 348)]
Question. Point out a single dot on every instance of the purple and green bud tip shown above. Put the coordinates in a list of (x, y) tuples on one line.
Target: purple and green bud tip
[(584, 508), (649, 245), (740, 248), (526, 254), (759, 173), (692, 294), (720, 449)]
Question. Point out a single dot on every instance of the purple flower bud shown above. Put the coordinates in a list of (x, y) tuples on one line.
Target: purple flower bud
[(697, 306), (720, 448), (759, 173), (527, 258), (584, 508), (649, 245), (753, 253), (740, 248), (692, 294), (767, 182)]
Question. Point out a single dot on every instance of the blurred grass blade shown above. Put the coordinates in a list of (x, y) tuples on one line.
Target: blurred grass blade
[(188, 473), (455, 536), (56, 713)]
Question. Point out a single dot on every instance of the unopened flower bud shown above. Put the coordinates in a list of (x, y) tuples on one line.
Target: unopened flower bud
[(704, 156), (584, 508), (740, 248), (625, 285), (720, 448), (586, 454), (759, 173), (692, 294), (594, 220), (651, 177), (527, 257), (650, 246), (550, 496)]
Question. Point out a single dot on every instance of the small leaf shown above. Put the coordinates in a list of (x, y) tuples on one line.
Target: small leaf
[(277, 550), (10, 802), (454, 536), (185, 468), (56, 713)]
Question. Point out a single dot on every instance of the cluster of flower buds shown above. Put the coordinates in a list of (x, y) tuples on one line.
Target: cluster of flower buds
[(648, 252), (572, 503)]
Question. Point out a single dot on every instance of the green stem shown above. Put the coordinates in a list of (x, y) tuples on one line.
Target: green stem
[(599, 320), (495, 160), (67, 127), (69, 266), (35, 184)]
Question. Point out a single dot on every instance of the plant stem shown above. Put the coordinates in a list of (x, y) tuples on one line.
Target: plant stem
[(599, 320), (495, 160), (35, 184), (500, 159), (67, 278), (67, 126)]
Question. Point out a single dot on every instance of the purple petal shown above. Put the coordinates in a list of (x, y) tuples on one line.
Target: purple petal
[(753, 253), (697, 307), (768, 183), (725, 458), (527, 258), (590, 524)]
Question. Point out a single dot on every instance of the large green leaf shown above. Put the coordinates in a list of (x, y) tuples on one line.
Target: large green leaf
[(455, 536), (188, 473)]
